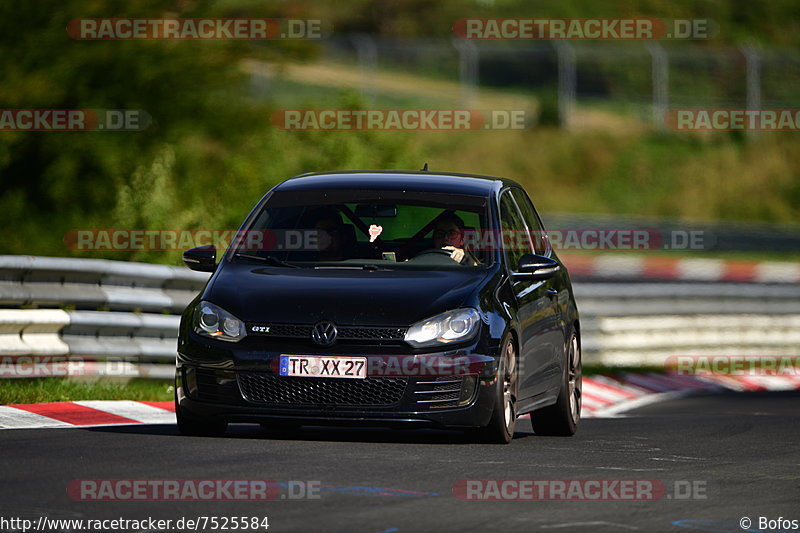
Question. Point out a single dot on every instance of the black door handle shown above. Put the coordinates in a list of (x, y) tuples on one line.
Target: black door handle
[(552, 293)]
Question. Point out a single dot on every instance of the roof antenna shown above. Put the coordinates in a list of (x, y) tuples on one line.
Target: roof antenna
[(425, 168)]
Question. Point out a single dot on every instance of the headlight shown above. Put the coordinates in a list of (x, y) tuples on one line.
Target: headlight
[(213, 321), (452, 326)]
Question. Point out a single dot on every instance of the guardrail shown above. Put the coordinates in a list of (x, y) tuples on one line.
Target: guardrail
[(96, 284), (107, 317), (120, 318), (630, 321)]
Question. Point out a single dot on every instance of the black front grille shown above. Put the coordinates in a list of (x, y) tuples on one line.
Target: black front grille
[(345, 333), (289, 331), (296, 391), (368, 334)]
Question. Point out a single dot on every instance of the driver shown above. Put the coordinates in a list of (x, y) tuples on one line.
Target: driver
[(448, 234)]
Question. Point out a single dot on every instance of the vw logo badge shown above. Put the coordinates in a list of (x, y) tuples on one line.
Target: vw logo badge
[(324, 333)]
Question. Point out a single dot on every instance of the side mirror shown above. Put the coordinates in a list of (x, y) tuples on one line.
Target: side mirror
[(536, 268), (202, 258)]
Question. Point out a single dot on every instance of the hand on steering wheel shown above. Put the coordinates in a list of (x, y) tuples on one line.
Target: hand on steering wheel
[(456, 254)]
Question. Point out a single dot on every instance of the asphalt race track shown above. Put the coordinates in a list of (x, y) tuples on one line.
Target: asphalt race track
[(738, 450)]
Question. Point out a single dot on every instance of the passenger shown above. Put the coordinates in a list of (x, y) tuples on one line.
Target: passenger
[(328, 223)]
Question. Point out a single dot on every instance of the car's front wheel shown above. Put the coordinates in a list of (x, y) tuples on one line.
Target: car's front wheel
[(189, 425), (561, 418), (504, 417)]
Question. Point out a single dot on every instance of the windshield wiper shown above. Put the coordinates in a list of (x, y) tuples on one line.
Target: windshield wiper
[(368, 266), (274, 261)]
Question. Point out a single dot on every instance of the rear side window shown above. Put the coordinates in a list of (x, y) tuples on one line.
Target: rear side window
[(538, 235), (512, 226)]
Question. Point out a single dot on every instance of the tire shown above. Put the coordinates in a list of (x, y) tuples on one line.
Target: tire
[(189, 425), (500, 429), (562, 418)]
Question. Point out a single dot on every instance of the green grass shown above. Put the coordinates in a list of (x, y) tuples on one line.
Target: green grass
[(64, 390)]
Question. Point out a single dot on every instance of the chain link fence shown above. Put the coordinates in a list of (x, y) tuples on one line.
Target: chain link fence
[(565, 79)]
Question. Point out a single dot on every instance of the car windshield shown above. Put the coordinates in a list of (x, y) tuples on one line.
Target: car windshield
[(366, 230)]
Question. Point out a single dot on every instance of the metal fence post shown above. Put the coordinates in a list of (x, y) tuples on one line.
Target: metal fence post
[(753, 65), (467, 71), (660, 73), (367, 53), (259, 80), (567, 81)]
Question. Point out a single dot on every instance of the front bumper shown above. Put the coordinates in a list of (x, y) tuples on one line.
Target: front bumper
[(245, 387)]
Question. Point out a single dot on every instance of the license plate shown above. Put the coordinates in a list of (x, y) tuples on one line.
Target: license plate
[(319, 366)]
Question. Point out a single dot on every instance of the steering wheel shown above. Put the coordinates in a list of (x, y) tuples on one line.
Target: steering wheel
[(440, 251)]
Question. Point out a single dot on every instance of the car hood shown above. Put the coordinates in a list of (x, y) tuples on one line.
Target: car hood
[(344, 296)]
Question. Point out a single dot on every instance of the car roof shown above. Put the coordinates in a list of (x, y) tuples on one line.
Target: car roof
[(422, 181)]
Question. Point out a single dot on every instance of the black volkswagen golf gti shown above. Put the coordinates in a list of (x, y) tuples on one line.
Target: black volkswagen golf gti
[(383, 298)]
